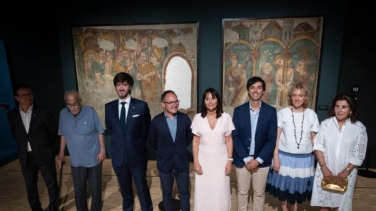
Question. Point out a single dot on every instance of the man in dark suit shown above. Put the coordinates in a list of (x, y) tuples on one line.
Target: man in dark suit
[(170, 135), (35, 131), (128, 145), (254, 142)]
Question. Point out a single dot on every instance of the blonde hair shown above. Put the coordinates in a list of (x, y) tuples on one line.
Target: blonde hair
[(301, 87)]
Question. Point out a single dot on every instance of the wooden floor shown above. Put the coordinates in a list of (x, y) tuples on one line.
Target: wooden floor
[(13, 193)]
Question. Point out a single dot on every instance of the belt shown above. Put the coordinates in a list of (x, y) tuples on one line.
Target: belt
[(30, 153)]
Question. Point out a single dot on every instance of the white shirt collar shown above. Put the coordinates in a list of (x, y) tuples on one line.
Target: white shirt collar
[(28, 110), (127, 100)]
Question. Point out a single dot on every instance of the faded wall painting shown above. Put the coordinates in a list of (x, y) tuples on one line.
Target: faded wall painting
[(159, 57), (282, 51)]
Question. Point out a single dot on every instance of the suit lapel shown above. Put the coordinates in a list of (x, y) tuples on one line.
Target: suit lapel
[(18, 120), (115, 110), (248, 117), (260, 119), (179, 130), (131, 111), (165, 125), (33, 114)]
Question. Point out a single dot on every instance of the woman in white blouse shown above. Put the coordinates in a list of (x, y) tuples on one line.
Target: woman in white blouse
[(291, 180), (340, 147)]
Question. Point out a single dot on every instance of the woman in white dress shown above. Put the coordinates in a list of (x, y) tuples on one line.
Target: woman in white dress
[(340, 146), (291, 180), (212, 154)]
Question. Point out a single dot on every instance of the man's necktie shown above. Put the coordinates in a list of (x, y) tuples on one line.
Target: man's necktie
[(122, 115)]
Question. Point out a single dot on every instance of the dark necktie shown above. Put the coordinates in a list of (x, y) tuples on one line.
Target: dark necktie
[(122, 115)]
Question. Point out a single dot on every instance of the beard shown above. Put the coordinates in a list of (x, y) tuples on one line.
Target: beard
[(123, 96)]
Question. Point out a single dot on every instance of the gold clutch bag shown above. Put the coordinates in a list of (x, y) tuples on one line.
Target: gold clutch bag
[(334, 186)]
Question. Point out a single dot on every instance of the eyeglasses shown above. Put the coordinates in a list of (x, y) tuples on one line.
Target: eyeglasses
[(73, 106), (173, 102), (26, 95)]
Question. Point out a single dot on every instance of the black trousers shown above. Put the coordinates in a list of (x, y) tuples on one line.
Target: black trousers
[(81, 176), (48, 172), (182, 180)]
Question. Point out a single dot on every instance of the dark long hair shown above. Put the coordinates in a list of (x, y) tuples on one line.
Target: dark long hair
[(215, 95), (354, 115)]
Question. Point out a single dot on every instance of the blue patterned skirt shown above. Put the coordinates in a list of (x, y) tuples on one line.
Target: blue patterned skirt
[(294, 181)]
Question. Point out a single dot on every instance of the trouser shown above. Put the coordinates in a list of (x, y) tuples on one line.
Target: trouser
[(258, 178), (82, 175), (125, 175), (48, 172), (182, 180)]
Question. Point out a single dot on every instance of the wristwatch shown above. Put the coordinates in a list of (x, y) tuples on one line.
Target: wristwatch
[(232, 159)]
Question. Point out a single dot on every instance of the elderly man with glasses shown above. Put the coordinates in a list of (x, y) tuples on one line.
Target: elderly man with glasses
[(81, 131)]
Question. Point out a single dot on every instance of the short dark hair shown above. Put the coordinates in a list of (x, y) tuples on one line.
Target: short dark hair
[(165, 93), (20, 86), (214, 93), (123, 77), (254, 80), (354, 116)]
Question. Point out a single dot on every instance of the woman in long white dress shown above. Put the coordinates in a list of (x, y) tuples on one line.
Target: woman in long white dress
[(340, 146), (212, 154)]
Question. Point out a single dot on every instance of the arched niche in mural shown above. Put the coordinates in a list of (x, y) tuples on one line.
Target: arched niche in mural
[(179, 76)]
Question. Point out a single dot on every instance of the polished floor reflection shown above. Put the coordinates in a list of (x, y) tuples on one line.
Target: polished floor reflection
[(13, 194)]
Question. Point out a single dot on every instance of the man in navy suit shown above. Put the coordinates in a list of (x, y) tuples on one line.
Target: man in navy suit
[(170, 135), (35, 131), (128, 146), (254, 142)]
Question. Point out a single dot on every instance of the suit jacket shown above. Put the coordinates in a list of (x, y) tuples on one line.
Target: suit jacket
[(265, 137), (42, 135), (171, 154), (130, 142)]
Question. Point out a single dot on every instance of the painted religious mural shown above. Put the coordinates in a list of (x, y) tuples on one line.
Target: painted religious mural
[(158, 57), (282, 51)]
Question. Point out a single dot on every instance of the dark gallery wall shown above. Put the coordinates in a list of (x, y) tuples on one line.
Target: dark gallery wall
[(32, 52), (358, 69)]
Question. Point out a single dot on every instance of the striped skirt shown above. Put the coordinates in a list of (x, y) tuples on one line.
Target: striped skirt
[(294, 181)]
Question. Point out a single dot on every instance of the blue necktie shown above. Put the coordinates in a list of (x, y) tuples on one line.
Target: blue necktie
[(122, 115)]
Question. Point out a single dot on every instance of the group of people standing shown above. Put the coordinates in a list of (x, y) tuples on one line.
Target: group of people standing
[(275, 152)]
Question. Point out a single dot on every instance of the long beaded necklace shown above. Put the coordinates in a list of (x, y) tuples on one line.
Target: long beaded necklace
[(301, 133)]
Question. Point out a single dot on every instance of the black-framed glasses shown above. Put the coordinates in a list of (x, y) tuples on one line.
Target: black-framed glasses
[(73, 106), (173, 102), (26, 95)]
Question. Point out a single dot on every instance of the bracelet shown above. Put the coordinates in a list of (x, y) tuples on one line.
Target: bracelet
[(231, 159), (322, 165)]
